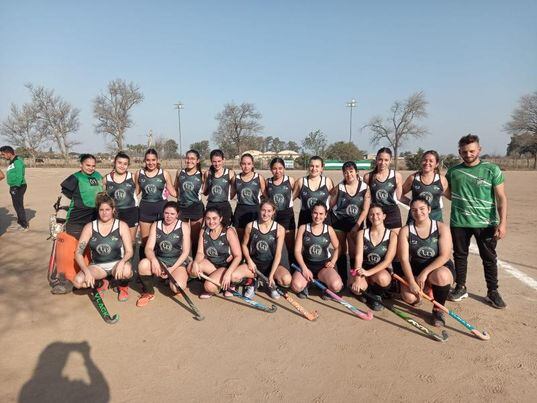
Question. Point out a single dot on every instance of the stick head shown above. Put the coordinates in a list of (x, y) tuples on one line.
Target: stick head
[(112, 319)]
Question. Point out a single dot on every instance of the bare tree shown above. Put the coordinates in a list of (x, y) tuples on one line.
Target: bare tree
[(21, 129), (238, 126), (111, 109), (56, 117), (523, 128), (401, 124)]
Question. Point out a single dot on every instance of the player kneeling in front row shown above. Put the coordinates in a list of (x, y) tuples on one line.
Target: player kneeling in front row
[(168, 244), (375, 249), (424, 248), (110, 247), (313, 254), (263, 247)]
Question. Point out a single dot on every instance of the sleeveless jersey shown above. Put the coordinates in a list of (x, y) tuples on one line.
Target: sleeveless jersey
[(383, 193), (309, 197), (315, 248), (152, 187), (473, 201), (248, 193), (374, 254), (263, 245), (169, 246), (432, 192), (108, 248), (349, 207), (216, 250), (189, 188), (218, 187), (282, 194), (123, 193), (423, 250)]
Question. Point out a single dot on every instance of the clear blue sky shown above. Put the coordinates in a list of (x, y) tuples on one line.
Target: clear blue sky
[(297, 61)]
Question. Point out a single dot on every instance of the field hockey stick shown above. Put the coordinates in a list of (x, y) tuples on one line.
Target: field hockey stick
[(195, 310), (251, 302), (482, 335), (98, 301), (428, 332), (51, 274), (308, 315), (358, 312)]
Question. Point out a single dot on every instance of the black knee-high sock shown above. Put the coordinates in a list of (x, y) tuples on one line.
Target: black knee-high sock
[(352, 262), (342, 268), (147, 284), (141, 252), (123, 283), (440, 293)]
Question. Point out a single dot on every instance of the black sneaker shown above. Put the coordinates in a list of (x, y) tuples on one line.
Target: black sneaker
[(438, 319), (495, 299), (458, 293), (303, 294), (373, 302)]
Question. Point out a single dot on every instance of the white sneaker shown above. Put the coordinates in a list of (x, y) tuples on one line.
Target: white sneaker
[(274, 294), (250, 291)]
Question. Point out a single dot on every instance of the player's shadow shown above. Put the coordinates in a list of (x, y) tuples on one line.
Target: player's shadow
[(48, 384), (5, 219)]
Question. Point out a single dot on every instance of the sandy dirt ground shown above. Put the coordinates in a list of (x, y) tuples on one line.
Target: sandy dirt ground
[(57, 348)]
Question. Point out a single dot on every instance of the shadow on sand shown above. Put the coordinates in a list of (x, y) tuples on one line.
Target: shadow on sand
[(48, 384)]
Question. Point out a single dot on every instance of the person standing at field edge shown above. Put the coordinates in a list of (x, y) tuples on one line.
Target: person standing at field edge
[(17, 185), (477, 193)]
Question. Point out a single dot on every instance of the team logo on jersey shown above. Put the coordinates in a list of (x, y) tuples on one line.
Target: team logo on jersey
[(427, 195), (381, 194), (312, 201), (217, 190), (352, 210), (246, 193), (373, 258), (188, 186), (150, 189), (165, 246), (212, 252), (120, 194), (315, 250), (262, 246), (103, 249), (93, 181), (426, 252), (279, 199)]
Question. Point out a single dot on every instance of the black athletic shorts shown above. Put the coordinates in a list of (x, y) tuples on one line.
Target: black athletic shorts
[(151, 211), (417, 268), (244, 214), (286, 218), (191, 213), (316, 267), (129, 215), (344, 225), (225, 211), (305, 218)]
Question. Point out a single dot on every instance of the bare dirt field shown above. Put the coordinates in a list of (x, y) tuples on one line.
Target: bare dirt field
[(57, 348)]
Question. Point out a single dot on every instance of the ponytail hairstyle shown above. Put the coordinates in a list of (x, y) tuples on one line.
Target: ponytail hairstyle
[(422, 199), (383, 150), (317, 158), (197, 155), (151, 151), (271, 203), (215, 153), (248, 155), (349, 164), (172, 204), (84, 157), (277, 160), (436, 157), (104, 198)]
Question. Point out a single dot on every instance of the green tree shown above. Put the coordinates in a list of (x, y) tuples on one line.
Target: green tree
[(449, 160), (413, 161), (169, 149), (344, 151), (315, 142), (293, 146), (277, 145), (202, 147)]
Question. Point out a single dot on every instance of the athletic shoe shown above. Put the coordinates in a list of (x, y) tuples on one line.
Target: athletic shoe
[(274, 294), (495, 299), (61, 287), (23, 229), (249, 291), (438, 318), (303, 294), (123, 293), (205, 295), (144, 299), (102, 285), (458, 293), (373, 302), (361, 298)]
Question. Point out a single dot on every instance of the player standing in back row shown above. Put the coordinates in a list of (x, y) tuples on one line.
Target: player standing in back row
[(476, 189)]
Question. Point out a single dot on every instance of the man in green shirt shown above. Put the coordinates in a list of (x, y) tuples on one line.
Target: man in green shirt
[(479, 209), (17, 184)]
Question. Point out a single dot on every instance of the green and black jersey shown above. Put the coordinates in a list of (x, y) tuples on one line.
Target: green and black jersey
[(82, 188)]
